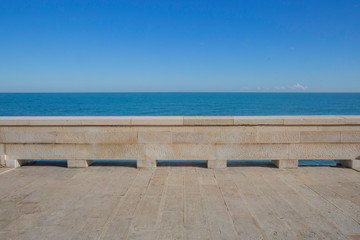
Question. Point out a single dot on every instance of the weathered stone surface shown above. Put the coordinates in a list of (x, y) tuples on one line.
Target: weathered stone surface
[(154, 137), (277, 136), (180, 151), (41, 151), (109, 151), (286, 163), (258, 120), (324, 151), (252, 151), (214, 164), (350, 137), (181, 138), (313, 120), (208, 121), (161, 120), (2, 149), (77, 163), (317, 136)]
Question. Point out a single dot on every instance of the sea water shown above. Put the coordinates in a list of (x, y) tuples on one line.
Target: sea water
[(179, 104)]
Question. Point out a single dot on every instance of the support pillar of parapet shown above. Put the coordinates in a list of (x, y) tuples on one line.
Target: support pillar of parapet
[(214, 164), (352, 163), (10, 162), (286, 163), (78, 163), (146, 163)]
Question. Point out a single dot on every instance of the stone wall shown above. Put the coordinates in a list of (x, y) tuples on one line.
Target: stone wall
[(284, 139)]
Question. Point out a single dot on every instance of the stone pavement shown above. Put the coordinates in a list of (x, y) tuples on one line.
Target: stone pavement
[(178, 202)]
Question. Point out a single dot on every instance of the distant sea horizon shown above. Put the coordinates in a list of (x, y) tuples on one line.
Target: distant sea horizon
[(178, 104)]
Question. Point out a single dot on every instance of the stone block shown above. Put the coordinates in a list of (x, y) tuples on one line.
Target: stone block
[(2, 149), (320, 137), (78, 163), (2, 160), (354, 164), (13, 163), (146, 163), (154, 137), (109, 151), (324, 151), (189, 137), (180, 151), (280, 136), (27, 135), (215, 164), (41, 151), (350, 137), (313, 120), (258, 120), (286, 163), (352, 120), (155, 121), (223, 137), (252, 151), (216, 121)]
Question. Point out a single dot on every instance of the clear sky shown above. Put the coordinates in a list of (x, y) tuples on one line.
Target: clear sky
[(121, 46)]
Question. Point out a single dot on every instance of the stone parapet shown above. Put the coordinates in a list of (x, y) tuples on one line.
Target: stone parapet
[(284, 139)]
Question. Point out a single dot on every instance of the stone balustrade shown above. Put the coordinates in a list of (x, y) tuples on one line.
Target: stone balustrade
[(283, 139)]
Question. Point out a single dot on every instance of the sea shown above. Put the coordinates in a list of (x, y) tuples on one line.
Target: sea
[(178, 104), (181, 104)]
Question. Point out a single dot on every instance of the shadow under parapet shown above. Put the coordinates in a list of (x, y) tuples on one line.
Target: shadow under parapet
[(250, 163), (182, 163)]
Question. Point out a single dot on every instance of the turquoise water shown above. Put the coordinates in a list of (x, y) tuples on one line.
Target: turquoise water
[(186, 104)]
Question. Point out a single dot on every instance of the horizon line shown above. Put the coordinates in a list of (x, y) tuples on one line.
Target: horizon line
[(188, 92)]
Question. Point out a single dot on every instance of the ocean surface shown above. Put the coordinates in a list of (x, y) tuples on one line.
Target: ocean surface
[(181, 104), (186, 104)]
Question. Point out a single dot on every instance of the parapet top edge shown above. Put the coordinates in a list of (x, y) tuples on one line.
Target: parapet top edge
[(312, 120)]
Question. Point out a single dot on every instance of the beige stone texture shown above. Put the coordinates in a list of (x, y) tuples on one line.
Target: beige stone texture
[(2, 160), (146, 163), (352, 120), (286, 163), (258, 120), (154, 137), (320, 137), (216, 120), (180, 151), (252, 151), (40, 151), (313, 120), (277, 135), (27, 135), (109, 151), (350, 137), (214, 164), (190, 137), (161, 120), (78, 163), (2, 149), (12, 163), (180, 138), (324, 151)]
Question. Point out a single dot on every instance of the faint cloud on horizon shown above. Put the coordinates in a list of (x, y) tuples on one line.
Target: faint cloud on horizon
[(295, 87)]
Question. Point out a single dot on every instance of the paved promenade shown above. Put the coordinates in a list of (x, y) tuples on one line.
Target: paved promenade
[(112, 202)]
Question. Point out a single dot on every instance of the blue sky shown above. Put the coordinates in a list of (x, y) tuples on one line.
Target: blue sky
[(121, 46)]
